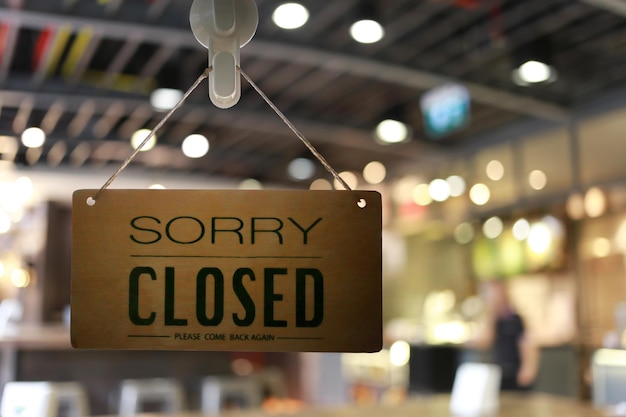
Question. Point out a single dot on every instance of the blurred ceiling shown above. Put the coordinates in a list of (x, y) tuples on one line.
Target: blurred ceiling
[(83, 70)]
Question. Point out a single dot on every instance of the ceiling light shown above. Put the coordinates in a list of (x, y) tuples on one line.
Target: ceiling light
[(533, 62), (195, 146), (534, 72), (290, 16), (164, 99), (301, 169), (392, 131), (33, 137), (139, 136), (367, 31)]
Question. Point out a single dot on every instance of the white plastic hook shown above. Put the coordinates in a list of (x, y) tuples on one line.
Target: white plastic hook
[(224, 27)]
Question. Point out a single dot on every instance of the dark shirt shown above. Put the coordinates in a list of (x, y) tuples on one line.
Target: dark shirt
[(509, 330)]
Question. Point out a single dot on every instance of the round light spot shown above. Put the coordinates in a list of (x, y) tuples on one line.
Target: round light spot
[(33, 137), (195, 146), (575, 206), (321, 184), (534, 72), (464, 233), (539, 238), (290, 16), (392, 131), (595, 202), (374, 173), (350, 178), (439, 190), (495, 170), (421, 195), (164, 99), (601, 247), (403, 189), (367, 31), (457, 185), (537, 180), (20, 278), (250, 184), (399, 353), (157, 187), (493, 228), (301, 169), (480, 194), (521, 229), (139, 136)]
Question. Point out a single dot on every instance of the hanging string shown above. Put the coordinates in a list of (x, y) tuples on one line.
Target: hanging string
[(132, 156), (195, 85), (300, 136)]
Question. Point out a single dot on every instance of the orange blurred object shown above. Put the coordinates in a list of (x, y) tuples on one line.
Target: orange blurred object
[(282, 406)]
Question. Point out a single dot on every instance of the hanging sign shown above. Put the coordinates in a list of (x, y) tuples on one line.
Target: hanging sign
[(227, 270), (446, 109)]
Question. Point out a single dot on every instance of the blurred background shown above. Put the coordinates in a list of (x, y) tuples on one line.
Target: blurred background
[(494, 130)]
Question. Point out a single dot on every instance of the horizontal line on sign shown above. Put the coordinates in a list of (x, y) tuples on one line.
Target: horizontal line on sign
[(139, 336), (224, 257), (300, 338)]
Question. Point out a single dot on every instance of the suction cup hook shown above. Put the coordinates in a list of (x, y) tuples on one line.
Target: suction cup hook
[(224, 27)]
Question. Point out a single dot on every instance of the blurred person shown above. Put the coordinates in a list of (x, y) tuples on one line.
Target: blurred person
[(512, 346)]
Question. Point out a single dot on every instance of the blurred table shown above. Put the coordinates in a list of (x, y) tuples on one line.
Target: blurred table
[(511, 405)]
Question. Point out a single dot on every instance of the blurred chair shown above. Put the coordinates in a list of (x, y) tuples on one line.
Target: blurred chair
[(272, 382), (11, 311), (220, 393), (28, 399), (135, 394), (476, 390), (608, 372), (44, 399), (72, 399)]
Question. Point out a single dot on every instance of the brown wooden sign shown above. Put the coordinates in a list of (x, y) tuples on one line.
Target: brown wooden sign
[(227, 270)]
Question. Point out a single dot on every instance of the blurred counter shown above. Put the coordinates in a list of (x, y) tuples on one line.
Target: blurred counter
[(511, 405), (36, 337)]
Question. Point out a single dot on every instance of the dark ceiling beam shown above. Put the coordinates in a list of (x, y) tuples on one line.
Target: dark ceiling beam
[(614, 6), (119, 62), (113, 7), (407, 77), (155, 64), (333, 61), (156, 10), (262, 122), (9, 51)]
